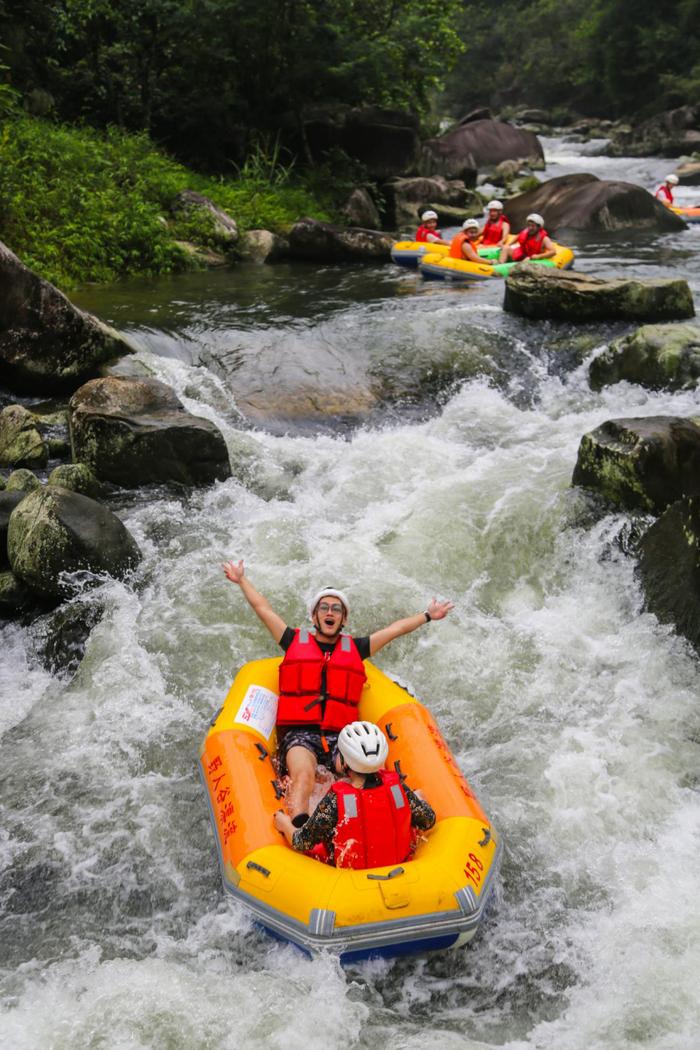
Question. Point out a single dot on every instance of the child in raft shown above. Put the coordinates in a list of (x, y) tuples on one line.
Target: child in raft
[(428, 232)]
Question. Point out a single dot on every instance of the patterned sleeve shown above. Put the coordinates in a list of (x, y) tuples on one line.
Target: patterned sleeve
[(422, 813), (320, 827)]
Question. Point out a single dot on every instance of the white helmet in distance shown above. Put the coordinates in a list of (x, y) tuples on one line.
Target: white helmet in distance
[(328, 592), (494, 206), (363, 746), (470, 224), (534, 217), (428, 215), (672, 179)]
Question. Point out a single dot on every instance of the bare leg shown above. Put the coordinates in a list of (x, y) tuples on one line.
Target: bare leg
[(301, 765), (503, 257)]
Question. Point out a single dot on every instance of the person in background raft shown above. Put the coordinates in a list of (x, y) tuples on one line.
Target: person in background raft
[(365, 821), (428, 230), (496, 229), (320, 678), (664, 192), (463, 246), (531, 243)]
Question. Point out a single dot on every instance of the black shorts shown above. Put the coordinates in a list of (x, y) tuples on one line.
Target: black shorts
[(311, 740)]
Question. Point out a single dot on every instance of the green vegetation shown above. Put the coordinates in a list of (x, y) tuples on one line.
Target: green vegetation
[(81, 205)]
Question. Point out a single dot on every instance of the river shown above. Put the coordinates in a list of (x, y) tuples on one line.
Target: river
[(572, 711)]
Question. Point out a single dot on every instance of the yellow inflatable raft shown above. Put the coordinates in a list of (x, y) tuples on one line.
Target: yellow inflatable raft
[(409, 253), (434, 900), (689, 214), (443, 268)]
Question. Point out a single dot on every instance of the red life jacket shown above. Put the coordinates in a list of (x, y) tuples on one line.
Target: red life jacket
[(665, 191), (300, 678), (422, 234), (493, 231), (374, 824), (532, 245)]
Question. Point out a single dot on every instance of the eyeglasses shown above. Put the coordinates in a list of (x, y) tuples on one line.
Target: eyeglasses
[(324, 607)]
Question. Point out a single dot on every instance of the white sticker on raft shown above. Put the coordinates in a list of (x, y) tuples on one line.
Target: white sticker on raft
[(258, 710)]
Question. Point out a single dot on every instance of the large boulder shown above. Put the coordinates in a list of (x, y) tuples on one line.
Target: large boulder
[(671, 134), (322, 242), (223, 228), (644, 464), (407, 199), (46, 344), (384, 141), (21, 444), (360, 210), (135, 431), (669, 566), (78, 478), (54, 531), (478, 144), (661, 357), (543, 292), (8, 502), (689, 173), (584, 202), (262, 246)]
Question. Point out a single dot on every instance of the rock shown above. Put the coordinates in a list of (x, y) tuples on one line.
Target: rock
[(642, 464), (385, 141), (481, 113), (46, 343), (224, 228), (21, 444), (534, 116), (584, 202), (22, 481), (669, 566), (54, 531), (8, 502), (479, 144), (2, 483), (321, 242), (14, 596), (136, 431), (545, 293), (202, 255), (660, 357), (59, 448), (262, 246), (689, 173), (360, 210), (78, 478), (65, 635), (407, 199), (671, 134)]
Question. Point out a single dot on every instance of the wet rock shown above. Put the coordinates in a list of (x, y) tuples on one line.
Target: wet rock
[(360, 210), (2, 483), (65, 635), (322, 242), (46, 343), (21, 444), (669, 566), (584, 202), (476, 145), (8, 502), (78, 478), (22, 481), (534, 116), (223, 228), (689, 173), (671, 134), (135, 431), (543, 293), (481, 113), (262, 246), (59, 448), (54, 531), (644, 464), (14, 596), (660, 357), (407, 199), (203, 256)]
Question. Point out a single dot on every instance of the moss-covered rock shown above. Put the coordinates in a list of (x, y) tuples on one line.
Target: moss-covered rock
[(14, 596), (22, 481), (21, 444), (263, 246), (644, 464), (322, 242), (8, 502), (669, 566), (2, 482), (545, 293), (54, 531), (655, 356), (65, 633), (78, 478), (135, 431)]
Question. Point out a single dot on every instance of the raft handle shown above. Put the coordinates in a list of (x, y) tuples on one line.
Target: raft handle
[(262, 749), (487, 837), (216, 716), (392, 875), (258, 867), (392, 736), (279, 793)]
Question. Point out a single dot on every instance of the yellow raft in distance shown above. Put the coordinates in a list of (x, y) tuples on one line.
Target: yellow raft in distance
[(434, 900)]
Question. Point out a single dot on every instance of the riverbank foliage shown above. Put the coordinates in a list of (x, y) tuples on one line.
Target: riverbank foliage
[(77, 204)]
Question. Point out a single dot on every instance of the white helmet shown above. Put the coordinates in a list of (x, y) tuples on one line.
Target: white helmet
[(428, 215), (534, 217), (470, 224), (328, 592), (494, 206), (673, 179), (363, 746)]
